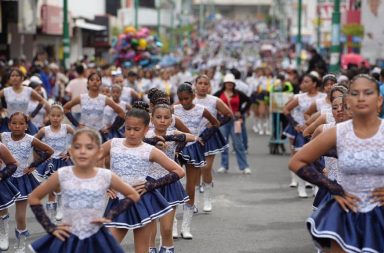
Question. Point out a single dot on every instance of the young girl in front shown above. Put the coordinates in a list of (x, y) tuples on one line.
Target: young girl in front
[(92, 106), (21, 146), (131, 159), (8, 193), (57, 136), (192, 115), (83, 188), (173, 193), (216, 143)]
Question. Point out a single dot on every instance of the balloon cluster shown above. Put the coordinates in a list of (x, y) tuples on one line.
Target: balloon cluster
[(136, 48)]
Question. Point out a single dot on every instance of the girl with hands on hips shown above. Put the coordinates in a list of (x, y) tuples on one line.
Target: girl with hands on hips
[(83, 189), (353, 220)]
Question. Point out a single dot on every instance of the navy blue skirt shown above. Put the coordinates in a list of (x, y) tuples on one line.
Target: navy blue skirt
[(50, 166), (174, 193), (215, 144), (354, 232), (101, 242), (8, 194), (151, 206), (299, 141), (25, 185), (290, 132), (31, 130), (194, 155)]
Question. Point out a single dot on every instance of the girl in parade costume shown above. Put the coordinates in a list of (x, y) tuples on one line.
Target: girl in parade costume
[(302, 102), (92, 106), (83, 189), (18, 97), (216, 143), (128, 94), (153, 95), (57, 136), (110, 115), (174, 193), (21, 146), (193, 153), (8, 193), (352, 221), (41, 117), (131, 159)]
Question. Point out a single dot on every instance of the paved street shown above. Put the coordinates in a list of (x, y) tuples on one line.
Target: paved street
[(252, 214)]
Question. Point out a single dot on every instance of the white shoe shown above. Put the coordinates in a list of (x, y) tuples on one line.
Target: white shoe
[(221, 170), (187, 220), (208, 198), (175, 233), (255, 129), (293, 184), (315, 189), (201, 188), (59, 209), (21, 238), (301, 191), (247, 171), (293, 180), (4, 236)]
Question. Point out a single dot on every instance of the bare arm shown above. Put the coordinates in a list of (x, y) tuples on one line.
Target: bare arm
[(117, 108), (44, 189), (41, 100), (223, 109), (311, 110), (179, 125), (68, 106), (290, 106), (308, 131), (40, 134), (214, 122), (128, 191)]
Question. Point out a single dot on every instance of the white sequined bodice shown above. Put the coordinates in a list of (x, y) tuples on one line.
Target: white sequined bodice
[(38, 120), (210, 103), (322, 104), (17, 102), (329, 117), (304, 102), (156, 170), (56, 140), (361, 163), (126, 95), (92, 111), (331, 162), (132, 165), (21, 151), (83, 200), (110, 115), (191, 118)]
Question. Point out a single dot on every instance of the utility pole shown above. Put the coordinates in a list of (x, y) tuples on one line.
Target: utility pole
[(66, 42), (335, 47), (318, 26), (137, 14), (298, 37)]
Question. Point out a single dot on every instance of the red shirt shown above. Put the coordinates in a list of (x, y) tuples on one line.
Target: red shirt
[(233, 103)]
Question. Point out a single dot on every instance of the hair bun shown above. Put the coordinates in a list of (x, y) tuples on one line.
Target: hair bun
[(141, 105), (152, 92), (162, 101)]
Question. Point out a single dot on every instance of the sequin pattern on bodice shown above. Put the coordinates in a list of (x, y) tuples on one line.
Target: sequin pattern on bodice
[(304, 102), (110, 115), (331, 162), (17, 102), (83, 200), (322, 104), (156, 171), (210, 103), (56, 140), (191, 118), (92, 111), (132, 165), (21, 151), (361, 163)]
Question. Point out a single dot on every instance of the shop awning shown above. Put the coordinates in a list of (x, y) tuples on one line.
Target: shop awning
[(89, 26)]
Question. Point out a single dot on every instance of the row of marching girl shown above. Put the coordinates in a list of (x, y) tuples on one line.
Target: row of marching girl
[(21, 182), (17, 98), (192, 116), (353, 220), (132, 160), (169, 140)]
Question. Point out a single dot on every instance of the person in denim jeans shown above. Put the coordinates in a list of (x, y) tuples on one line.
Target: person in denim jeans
[(239, 103)]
